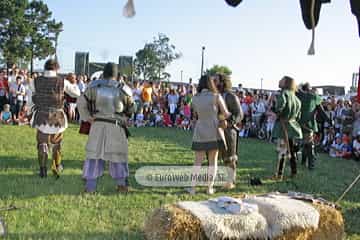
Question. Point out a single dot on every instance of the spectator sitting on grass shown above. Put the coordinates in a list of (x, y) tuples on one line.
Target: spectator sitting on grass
[(328, 139), (23, 116), (356, 147), (6, 115), (346, 147), (139, 122), (336, 147)]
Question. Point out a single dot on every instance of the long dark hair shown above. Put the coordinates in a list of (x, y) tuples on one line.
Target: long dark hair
[(206, 83)]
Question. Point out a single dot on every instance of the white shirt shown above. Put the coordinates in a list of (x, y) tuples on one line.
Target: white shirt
[(136, 94), (21, 91)]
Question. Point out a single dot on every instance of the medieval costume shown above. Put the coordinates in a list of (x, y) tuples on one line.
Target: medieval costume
[(286, 129), (49, 118), (107, 104), (208, 136), (310, 105), (229, 154)]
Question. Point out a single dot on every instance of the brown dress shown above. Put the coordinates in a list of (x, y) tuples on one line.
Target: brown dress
[(207, 135)]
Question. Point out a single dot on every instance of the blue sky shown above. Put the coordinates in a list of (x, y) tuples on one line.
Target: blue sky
[(258, 39)]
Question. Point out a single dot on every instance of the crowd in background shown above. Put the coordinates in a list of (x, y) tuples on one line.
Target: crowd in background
[(164, 104)]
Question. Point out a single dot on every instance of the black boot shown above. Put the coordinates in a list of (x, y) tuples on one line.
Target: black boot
[(304, 155), (43, 172), (311, 157)]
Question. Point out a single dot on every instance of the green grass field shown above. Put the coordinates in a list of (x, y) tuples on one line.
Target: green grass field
[(57, 209)]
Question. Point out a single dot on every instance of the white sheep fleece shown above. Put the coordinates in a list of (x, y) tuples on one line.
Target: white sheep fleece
[(276, 215)]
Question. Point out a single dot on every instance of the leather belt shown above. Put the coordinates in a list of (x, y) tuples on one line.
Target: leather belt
[(116, 122)]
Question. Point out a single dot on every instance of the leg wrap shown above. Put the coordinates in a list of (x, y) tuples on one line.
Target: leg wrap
[(293, 156), (90, 185), (56, 153), (43, 150), (231, 164), (282, 156)]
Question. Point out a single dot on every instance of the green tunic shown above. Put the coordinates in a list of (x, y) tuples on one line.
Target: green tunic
[(287, 107), (309, 102)]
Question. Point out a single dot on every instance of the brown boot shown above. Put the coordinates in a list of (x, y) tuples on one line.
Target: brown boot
[(123, 189)]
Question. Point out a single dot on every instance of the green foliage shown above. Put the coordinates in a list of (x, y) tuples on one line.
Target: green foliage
[(27, 30), (152, 60), (58, 209), (219, 69)]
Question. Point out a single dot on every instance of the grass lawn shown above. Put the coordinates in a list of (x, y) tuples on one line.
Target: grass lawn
[(57, 209)]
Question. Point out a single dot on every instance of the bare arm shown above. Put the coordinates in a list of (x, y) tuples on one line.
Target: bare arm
[(222, 106)]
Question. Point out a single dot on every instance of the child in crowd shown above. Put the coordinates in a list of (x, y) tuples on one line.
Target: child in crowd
[(185, 124), (139, 122), (23, 116), (336, 147), (179, 119), (356, 147), (6, 115), (166, 119), (158, 119), (329, 138), (271, 118), (346, 147), (187, 111), (244, 132)]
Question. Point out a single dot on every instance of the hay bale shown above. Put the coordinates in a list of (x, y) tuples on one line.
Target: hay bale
[(331, 226), (172, 222)]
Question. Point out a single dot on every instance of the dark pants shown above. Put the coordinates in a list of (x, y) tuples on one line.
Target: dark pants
[(284, 155), (3, 101), (308, 151), (18, 107), (173, 116)]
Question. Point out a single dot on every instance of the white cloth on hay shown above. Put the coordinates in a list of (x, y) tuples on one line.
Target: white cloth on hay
[(275, 215), (218, 223)]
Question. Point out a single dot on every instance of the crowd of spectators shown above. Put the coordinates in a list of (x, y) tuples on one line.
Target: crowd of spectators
[(165, 104)]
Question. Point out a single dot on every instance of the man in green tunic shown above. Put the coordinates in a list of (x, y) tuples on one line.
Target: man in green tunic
[(286, 129), (310, 105)]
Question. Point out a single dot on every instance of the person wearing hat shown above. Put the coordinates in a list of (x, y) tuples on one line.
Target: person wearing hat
[(48, 115), (310, 105), (107, 104), (286, 128)]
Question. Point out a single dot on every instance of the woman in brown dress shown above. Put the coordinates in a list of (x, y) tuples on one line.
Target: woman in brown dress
[(208, 105)]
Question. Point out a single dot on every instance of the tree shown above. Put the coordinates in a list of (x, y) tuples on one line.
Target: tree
[(44, 31), (152, 60), (219, 69), (145, 62), (27, 31), (13, 30)]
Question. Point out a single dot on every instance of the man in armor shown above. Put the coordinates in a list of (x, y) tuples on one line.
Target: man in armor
[(286, 129), (48, 115), (231, 131), (107, 104), (310, 106)]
